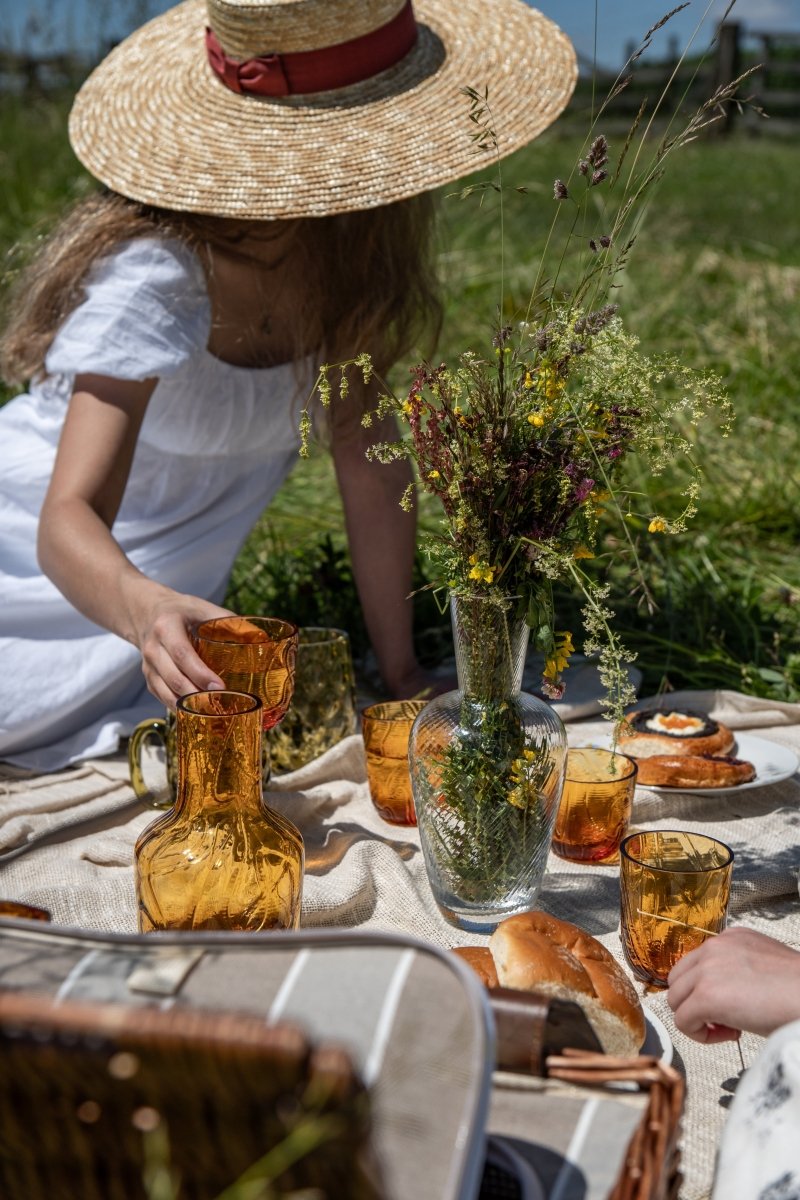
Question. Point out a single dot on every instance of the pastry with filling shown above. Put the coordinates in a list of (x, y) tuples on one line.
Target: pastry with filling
[(660, 731), (694, 771)]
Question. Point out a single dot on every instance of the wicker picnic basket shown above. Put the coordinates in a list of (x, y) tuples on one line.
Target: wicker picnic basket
[(97, 1101), (651, 1170), (212, 1024)]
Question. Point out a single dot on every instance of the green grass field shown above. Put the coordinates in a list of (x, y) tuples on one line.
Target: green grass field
[(715, 276)]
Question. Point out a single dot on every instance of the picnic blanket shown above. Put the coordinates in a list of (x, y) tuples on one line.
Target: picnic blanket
[(66, 843)]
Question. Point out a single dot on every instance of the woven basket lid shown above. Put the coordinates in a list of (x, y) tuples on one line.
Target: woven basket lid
[(155, 123)]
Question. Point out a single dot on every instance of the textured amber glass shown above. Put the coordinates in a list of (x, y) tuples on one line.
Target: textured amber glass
[(161, 730), (13, 908), (221, 859), (255, 655), (323, 707), (595, 806), (674, 890), (386, 728)]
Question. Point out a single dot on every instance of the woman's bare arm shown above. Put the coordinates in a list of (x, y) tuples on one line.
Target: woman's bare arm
[(78, 552), (382, 539)]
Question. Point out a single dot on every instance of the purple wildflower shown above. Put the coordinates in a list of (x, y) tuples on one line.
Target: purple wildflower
[(598, 152)]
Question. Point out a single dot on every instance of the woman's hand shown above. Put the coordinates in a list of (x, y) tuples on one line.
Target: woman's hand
[(740, 980), (163, 626)]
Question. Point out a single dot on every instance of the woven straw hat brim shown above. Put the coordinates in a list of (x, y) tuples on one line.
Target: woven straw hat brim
[(155, 123)]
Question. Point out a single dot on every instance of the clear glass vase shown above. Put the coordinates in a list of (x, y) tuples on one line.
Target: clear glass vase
[(487, 767), (221, 858)]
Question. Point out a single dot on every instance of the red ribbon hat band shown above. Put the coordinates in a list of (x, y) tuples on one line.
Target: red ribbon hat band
[(307, 71)]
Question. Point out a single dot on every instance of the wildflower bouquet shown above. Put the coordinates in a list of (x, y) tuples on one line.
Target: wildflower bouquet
[(525, 446)]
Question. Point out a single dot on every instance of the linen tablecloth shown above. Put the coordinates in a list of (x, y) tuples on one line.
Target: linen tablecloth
[(66, 843)]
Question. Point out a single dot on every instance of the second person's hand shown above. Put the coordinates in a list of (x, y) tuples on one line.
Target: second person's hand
[(739, 980)]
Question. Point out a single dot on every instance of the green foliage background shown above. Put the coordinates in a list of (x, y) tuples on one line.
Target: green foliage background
[(715, 277)]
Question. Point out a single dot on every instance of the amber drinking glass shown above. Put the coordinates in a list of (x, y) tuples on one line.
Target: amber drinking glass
[(386, 728), (255, 655), (323, 707), (29, 912), (221, 858), (158, 793), (674, 890), (595, 806)]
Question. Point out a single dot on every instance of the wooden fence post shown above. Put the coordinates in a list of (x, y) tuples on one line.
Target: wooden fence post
[(726, 69)]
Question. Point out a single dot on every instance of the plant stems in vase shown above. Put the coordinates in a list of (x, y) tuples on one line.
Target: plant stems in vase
[(487, 766)]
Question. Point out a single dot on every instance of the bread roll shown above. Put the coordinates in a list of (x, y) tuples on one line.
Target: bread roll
[(536, 952), (694, 771), (673, 731), (482, 963)]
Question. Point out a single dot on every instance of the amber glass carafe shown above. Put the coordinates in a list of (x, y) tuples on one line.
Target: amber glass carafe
[(220, 859)]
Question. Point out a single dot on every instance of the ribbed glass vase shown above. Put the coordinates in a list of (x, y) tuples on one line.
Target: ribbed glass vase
[(487, 767)]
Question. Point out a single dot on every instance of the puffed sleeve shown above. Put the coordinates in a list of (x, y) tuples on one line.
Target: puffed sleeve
[(145, 313)]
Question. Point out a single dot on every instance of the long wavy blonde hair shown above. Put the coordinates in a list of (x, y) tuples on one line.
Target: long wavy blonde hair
[(372, 283)]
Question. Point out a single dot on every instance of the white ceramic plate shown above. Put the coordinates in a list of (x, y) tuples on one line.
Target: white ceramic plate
[(656, 1039), (773, 763)]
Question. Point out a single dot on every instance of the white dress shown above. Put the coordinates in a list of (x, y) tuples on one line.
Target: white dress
[(215, 445), (759, 1156)]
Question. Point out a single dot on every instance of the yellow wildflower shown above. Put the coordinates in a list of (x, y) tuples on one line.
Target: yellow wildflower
[(528, 380), (408, 407), (536, 418), (549, 383), (582, 552), (559, 659), (598, 498), (433, 474), (657, 525), (481, 571)]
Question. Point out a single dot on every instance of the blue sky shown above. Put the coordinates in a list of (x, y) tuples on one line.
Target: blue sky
[(89, 23)]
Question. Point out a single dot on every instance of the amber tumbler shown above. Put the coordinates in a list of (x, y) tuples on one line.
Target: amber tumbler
[(255, 655), (386, 728), (28, 912), (595, 807), (674, 890)]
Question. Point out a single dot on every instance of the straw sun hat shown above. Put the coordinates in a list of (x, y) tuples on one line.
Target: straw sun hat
[(285, 108)]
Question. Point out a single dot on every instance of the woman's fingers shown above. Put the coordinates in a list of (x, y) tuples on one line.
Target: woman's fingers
[(172, 666)]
